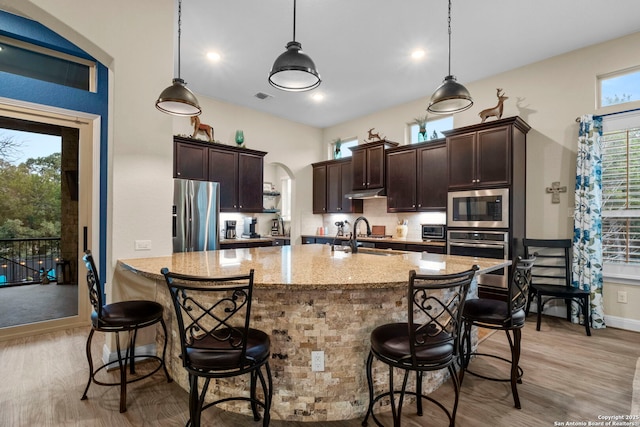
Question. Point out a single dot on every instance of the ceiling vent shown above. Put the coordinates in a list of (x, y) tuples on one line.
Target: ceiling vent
[(262, 95)]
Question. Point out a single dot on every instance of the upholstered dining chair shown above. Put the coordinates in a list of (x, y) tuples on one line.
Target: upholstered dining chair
[(508, 316), (551, 279), (428, 341), (213, 316), (117, 317)]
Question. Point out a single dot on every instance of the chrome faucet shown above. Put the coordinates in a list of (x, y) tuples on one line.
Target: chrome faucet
[(353, 241)]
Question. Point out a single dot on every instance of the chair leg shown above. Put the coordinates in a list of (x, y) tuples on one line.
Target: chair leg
[(586, 309), (396, 420), (164, 351), (419, 392), (370, 386), (254, 405), (122, 364), (465, 356), (132, 351), (268, 394), (539, 317), (88, 350), (456, 392), (195, 404), (515, 360), (392, 400)]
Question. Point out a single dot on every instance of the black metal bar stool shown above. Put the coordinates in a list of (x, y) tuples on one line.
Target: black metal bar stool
[(213, 320), (508, 316), (124, 316), (427, 342)]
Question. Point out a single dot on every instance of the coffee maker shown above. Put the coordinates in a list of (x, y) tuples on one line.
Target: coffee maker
[(250, 228), (230, 229)]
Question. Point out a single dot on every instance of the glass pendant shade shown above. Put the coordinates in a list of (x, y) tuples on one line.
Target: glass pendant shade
[(450, 97), (294, 71), (178, 100)]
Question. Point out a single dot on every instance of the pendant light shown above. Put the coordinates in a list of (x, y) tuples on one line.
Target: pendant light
[(177, 99), (294, 71), (450, 97)]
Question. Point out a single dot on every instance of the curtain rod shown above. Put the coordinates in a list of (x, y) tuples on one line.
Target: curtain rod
[(611, 114)]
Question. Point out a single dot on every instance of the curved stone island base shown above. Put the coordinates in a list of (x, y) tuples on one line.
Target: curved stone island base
[(334, 313)]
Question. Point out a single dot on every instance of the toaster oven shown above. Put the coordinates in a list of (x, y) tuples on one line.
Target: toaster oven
[(434, 232)]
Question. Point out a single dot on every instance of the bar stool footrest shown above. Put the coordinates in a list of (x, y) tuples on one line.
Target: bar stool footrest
[(520, 371)]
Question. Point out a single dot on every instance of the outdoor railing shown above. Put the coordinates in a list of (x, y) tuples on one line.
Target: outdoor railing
[(28, 261)]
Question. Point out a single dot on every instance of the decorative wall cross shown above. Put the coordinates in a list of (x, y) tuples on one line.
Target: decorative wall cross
[(555, 189)]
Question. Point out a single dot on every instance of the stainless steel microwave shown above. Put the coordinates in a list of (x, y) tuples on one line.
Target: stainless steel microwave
[(479, 208)]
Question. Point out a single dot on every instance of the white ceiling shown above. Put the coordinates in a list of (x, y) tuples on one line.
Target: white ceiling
[(362, 47)]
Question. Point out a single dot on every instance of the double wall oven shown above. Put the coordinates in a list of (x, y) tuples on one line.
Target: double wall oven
[(478, 225)]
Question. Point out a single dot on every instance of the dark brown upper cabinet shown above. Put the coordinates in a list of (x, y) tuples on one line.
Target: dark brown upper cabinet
[(368, 164), (331, 181), (484, 155), (238, 170), (417, 177)]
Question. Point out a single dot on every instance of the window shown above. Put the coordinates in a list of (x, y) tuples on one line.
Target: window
[(36, 62), (345, 148), (285, 211), (434, 129), (621, 194), (619, 88)]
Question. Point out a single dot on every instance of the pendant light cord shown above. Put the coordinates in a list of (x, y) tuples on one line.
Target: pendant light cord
[(294, 20), (179, 32), (449, 24)]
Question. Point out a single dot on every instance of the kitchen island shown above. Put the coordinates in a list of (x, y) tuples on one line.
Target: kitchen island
[(308, 298)]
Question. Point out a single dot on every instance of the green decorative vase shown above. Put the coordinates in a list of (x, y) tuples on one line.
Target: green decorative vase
[(239, 138)]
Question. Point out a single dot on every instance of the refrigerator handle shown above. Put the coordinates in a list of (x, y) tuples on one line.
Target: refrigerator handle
[(174, 223)]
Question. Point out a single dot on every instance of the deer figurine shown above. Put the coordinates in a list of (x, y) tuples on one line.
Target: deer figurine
[(495, 111), (201, 127), (373, 135)]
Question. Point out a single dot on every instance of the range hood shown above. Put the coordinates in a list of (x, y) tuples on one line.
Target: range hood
[(366, 194)]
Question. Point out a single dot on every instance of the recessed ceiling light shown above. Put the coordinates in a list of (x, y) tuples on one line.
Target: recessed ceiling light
[(213, 56), (417, 54), (318, 97)]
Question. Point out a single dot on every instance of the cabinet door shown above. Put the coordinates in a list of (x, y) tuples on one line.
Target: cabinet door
[(190, 162), (401, 181), (348, 205), (432, 178), (359, 169), (319, 189), (250, 183), (461, 161), (375, 167), (493, 157), (334, 188), (224, 169)]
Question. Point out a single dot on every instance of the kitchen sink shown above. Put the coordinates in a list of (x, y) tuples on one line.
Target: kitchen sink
[(370, 251)]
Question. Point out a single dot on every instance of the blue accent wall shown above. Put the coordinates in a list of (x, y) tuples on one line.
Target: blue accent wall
[(31, 90)]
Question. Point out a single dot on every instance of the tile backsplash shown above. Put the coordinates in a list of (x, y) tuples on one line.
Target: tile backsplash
[(375, 210)]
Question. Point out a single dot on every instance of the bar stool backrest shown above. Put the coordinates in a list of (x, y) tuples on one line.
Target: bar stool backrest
[(94, 284), (212, 313), (435, 309)]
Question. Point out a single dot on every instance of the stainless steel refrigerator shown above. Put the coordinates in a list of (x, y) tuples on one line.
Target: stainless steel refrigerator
[(196, 215)]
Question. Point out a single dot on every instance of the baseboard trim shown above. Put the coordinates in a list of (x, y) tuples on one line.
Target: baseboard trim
[(622, 323)]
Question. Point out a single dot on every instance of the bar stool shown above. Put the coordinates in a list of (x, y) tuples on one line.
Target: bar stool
[(508, 316), (124, 316), (216, 341), (427, 342)]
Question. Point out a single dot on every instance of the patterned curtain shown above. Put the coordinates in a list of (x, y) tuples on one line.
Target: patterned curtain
[(587, 229)]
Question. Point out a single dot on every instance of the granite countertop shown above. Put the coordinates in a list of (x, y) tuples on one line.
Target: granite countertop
[(308, 267), (383, 239)]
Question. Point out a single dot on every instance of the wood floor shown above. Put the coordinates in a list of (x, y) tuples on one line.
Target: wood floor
[(568, 377)]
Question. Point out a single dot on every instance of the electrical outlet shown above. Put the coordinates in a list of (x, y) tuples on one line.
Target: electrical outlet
[(142, 245), (622, 297), (317, 361)]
